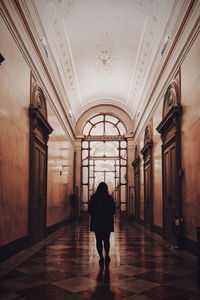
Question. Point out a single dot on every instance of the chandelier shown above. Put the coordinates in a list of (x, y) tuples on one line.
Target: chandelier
[(105, 56)]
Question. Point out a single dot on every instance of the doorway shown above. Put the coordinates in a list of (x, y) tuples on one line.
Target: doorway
[(169, 128), (148, 178), (136, 166), (39, 133)]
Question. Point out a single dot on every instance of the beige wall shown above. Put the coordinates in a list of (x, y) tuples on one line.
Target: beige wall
[(190, 100), (60, 172), (141, 145), (14, 149), (14, 140), (190, 145), (157, 168)]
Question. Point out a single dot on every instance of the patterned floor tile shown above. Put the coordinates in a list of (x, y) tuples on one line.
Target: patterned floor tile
[(37, 269), (67, 268), (76, 285), (49, 292), (105, 292), (130, 270), (134, 286), (169, 293), (21, 283), (157, 277)]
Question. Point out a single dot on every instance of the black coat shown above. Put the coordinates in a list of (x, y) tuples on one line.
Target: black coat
[(101, 208)]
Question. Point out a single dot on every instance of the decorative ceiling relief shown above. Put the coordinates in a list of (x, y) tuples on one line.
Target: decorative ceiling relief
[(61, 43), (106, 50), (69, 6), (66, 5), (143, 57), (105, 56)]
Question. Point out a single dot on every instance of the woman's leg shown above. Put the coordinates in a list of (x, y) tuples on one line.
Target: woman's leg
[(106, 240), (99, 244)]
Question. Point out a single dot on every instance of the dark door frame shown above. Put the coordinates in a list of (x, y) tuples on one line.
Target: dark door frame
[(169, 128), (136, 166), (147, 156), (40, 130)]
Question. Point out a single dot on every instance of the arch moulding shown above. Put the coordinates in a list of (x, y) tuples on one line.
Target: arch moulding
[(102, 109)]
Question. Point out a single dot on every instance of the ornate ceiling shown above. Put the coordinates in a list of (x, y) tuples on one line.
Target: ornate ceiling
[(106, 51)]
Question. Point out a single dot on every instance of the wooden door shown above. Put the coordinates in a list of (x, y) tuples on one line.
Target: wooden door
[(136, 166), (39, 191), (39, 134), (137, 192), (169, 128), (147, 194), (148, 180), (170, 196)]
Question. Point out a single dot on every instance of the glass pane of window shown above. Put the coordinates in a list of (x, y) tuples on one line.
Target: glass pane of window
[(97, 129), (87, 128), (123, 175), (85, 193), (96, 119), (110, 180), (110, 129), (123, 153), (123, 193), (112, 148), (107, 165), (121, 128), (111, 119), (123, 162), (99, 177), (84, 154), (85, 174), (85, 162), (97, 148), (123, 144), (91, 183), (85, 145)]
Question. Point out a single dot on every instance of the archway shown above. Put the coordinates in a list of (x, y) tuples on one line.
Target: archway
[(104, 158)]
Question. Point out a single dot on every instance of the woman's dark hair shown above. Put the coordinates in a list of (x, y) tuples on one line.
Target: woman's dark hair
[(102, 188)]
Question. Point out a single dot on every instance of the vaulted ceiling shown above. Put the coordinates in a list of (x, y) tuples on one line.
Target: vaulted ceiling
[(106, 51)]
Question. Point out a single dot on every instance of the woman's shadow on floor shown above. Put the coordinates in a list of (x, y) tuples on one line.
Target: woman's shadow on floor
[(102, 290)]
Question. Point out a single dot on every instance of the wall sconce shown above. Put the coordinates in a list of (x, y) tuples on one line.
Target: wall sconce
[(1, 58)]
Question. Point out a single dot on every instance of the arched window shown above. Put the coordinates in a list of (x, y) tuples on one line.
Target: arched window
[(104, 158), (104, 125)]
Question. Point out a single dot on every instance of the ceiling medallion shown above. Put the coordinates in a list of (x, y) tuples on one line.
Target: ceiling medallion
[(105, 56)]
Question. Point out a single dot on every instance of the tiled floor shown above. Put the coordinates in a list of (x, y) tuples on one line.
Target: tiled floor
[(67, 268)]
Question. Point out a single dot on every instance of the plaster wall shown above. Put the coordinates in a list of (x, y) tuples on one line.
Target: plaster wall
[(14, 140), (157, 168), (190, 92), (60, 173)]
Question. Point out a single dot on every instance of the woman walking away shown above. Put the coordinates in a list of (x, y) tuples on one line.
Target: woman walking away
[(101, 207)]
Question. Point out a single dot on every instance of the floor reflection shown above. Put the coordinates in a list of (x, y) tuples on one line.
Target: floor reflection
[(67, 268)]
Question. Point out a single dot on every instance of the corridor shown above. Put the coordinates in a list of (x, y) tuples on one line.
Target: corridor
[(67, 268)]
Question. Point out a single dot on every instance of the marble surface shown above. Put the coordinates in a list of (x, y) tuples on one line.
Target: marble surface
[(66, 267)]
